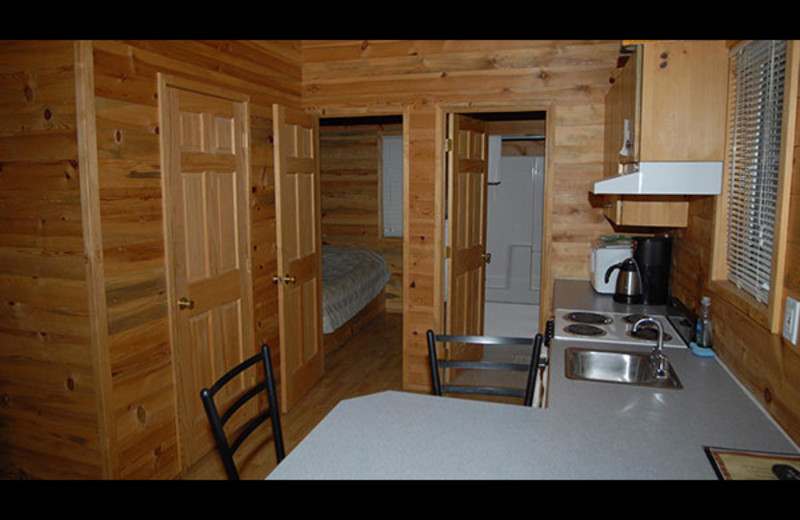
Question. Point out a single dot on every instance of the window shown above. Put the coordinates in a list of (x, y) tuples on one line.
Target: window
[(758, 72), (752, 213), (392, 185)]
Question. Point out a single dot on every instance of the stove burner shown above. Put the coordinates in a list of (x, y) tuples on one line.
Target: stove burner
[(588, 317), (584, 330), (633, 318), (649, 333)]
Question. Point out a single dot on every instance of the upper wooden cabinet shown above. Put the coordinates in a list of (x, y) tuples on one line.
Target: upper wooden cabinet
[(667, 104)]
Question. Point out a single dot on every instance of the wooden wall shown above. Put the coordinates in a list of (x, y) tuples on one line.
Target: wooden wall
[(50, 381), (425, 77), (350, 185), (132, 221), (48, 397), (767, 364)]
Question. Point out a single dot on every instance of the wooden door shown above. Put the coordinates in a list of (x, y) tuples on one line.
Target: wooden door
[(297, 199), (206, 200), (467, 188)]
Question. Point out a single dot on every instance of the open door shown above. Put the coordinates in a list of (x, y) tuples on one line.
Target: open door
[(206, 200), (467, 170), (299, 238)]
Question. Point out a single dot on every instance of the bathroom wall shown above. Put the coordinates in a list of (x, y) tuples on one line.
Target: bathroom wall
[(514, 227)]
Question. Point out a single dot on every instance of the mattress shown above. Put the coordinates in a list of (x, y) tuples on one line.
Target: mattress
[(351, 278)]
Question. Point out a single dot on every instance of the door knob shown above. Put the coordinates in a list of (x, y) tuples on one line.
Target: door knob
[(284, 279), (487, 257), (185, 303)]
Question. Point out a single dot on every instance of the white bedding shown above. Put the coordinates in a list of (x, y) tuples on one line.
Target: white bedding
[(351, 278)]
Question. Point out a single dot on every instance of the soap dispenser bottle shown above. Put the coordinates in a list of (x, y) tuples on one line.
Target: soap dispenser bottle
[(703, 332)]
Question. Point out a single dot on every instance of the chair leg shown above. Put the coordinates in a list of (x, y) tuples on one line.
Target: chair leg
[(534, 369), (274, 411), (437, 389)]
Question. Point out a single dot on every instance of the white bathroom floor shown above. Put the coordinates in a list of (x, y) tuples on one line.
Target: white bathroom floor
[(506, 319), (510, 319)]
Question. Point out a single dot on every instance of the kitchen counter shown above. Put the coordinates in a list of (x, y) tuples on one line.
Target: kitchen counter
[(667, 427), (590, 430), (578, 294)]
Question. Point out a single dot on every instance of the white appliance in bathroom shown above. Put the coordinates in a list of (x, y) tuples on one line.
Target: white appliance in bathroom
[(605, 252)]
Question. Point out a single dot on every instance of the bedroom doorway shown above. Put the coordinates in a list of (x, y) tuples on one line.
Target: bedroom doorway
[(361, 174), (510, 209)]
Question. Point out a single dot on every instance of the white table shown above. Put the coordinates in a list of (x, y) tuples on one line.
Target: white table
[(589, 431), (397, 435)]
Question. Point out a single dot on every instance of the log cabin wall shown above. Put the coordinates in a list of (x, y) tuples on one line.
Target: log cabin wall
[(766, 363), (51, 381), (351, 191), (422, 77), (49, 416), (133, 242)]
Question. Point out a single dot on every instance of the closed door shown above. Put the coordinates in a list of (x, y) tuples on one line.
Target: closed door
[(467, 186), (299, 279), (206, 200)]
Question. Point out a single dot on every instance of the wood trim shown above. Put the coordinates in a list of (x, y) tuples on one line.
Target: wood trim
[(93, 247), (439, 214), (788, 122), (718, 268), (171, 80), (546, 276), (166, 156)]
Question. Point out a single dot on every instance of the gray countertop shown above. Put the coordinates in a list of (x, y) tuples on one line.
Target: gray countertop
[(578, 294), (590, 430)]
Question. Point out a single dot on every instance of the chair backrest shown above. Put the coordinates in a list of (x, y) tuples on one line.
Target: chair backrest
[(217, 421), (531, 368)]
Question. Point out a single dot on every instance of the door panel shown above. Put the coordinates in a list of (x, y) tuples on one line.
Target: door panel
[(467, 189), (297, 196), (206, 190)]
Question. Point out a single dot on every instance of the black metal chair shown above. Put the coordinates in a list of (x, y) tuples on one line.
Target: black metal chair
[(226, 449), (487, 341)]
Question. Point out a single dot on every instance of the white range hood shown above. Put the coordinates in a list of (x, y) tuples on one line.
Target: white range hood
[(665, 178)]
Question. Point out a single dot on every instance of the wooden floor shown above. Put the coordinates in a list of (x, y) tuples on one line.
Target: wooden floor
[(368, 363)]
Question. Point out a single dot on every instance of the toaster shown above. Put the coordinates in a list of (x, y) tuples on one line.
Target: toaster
[(605, 252)]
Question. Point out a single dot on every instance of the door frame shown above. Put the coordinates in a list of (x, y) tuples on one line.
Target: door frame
[(440, 194), (164, 82)]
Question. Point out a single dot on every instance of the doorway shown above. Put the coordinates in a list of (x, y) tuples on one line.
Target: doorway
[(511, 211), (514, 216), (361, 172)]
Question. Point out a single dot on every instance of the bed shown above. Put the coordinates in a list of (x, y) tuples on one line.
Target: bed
[(353, 282)]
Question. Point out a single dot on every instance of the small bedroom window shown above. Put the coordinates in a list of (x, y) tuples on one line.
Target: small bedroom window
[(392, 185)]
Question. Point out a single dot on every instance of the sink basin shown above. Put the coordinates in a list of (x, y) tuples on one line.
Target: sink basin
[(611, 366)]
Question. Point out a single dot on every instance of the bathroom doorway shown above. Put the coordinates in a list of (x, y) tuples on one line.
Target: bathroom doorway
[(515, 199)]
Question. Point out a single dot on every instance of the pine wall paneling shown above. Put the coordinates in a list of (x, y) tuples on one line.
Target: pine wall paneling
[(63, 414), (132, 220), (49, 417)]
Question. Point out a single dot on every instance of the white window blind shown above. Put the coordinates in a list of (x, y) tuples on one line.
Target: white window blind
[(758, 71), (392, 183)]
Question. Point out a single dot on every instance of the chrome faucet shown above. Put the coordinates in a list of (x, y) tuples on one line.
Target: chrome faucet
[(659, 364)]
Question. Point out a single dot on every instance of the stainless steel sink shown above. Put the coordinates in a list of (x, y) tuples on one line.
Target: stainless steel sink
[(611, 366)]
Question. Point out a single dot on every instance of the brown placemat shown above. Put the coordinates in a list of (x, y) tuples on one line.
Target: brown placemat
[(731, 464)]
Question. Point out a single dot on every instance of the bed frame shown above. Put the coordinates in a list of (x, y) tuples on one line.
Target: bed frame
[(337, 338)]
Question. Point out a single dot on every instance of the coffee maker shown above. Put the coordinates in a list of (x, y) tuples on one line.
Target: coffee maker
[(653, 255)]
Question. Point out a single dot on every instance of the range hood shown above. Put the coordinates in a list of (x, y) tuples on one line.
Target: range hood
[(665, 178)]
